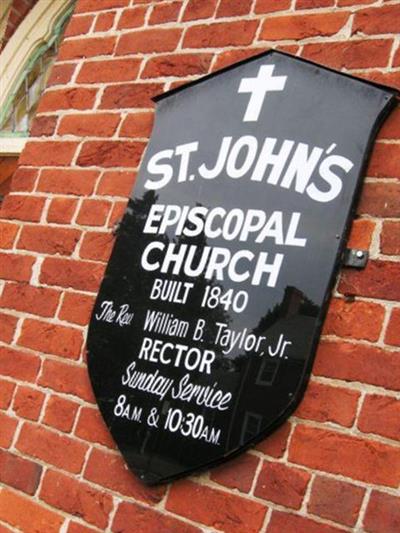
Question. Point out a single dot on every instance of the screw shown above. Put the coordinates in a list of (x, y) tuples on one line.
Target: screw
[(360, 254)]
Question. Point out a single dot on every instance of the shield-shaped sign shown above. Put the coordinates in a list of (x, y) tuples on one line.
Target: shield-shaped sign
[(204, 331)]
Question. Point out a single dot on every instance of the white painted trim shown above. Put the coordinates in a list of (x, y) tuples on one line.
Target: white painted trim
[(12, 146), (35, 29)]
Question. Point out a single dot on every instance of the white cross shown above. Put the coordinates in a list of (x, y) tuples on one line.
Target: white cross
[(258, 87)]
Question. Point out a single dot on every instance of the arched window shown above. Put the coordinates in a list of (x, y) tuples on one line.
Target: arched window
[(25, 63)]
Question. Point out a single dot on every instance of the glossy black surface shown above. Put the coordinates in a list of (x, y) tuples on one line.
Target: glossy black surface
[(262, 381)]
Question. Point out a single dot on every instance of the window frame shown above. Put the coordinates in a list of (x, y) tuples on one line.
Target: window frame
[(34, 35)]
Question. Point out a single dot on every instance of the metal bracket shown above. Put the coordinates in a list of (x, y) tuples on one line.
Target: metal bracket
[(354, 258)]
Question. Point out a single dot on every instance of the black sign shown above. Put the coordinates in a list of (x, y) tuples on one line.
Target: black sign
[(205, 327)]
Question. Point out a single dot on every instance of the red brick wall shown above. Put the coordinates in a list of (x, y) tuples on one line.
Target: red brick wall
[(335, 465)]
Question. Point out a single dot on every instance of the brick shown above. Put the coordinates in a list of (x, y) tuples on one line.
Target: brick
[(303, 26), (76, 308), (43, 126), (269, 6), (104, 21), (27, 515), (383, 513), (18, 207), (79, 26), (61, 210), (120, 183), (16, 267), (67, 379), (58, 450), (48, 153), (19, 9), (177, 84), (387, 78), (380, 415), (390, 238), (130, 95), (283, 522), (87, 47), (385, 162), (86, 6), (109, 71), (8, 165), (276, 443), (24, 179), (177, 65), (97, 245), (230, 57), (74, 527), (221, 510), (163, 13), (93, 212), (132, 18), (19, 473), (60, 413), (79, 499), (361, 234), (7, 327), (145, 41), (73, 98), (131, 518), (391, 126), (342, 3), (48, 240), (28, 402), (323, 403), (7, 389), (36, 300), (68, 181), (238, 33), (199, 9), (335, 500), (80, 275), (117, 213), (237, 473), (380, 279), (91, 427), (8, 426), (357, 320), (96, 125), (312, 4), (233, 8), (61, 74), (7, 234), (22, 6), (350, 54), (371, 21), (111, 154), (18, 364), (109, 470), (136, 125), (51, 338), (393, 328), (365, 460), (358, 362), (282, 484)]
